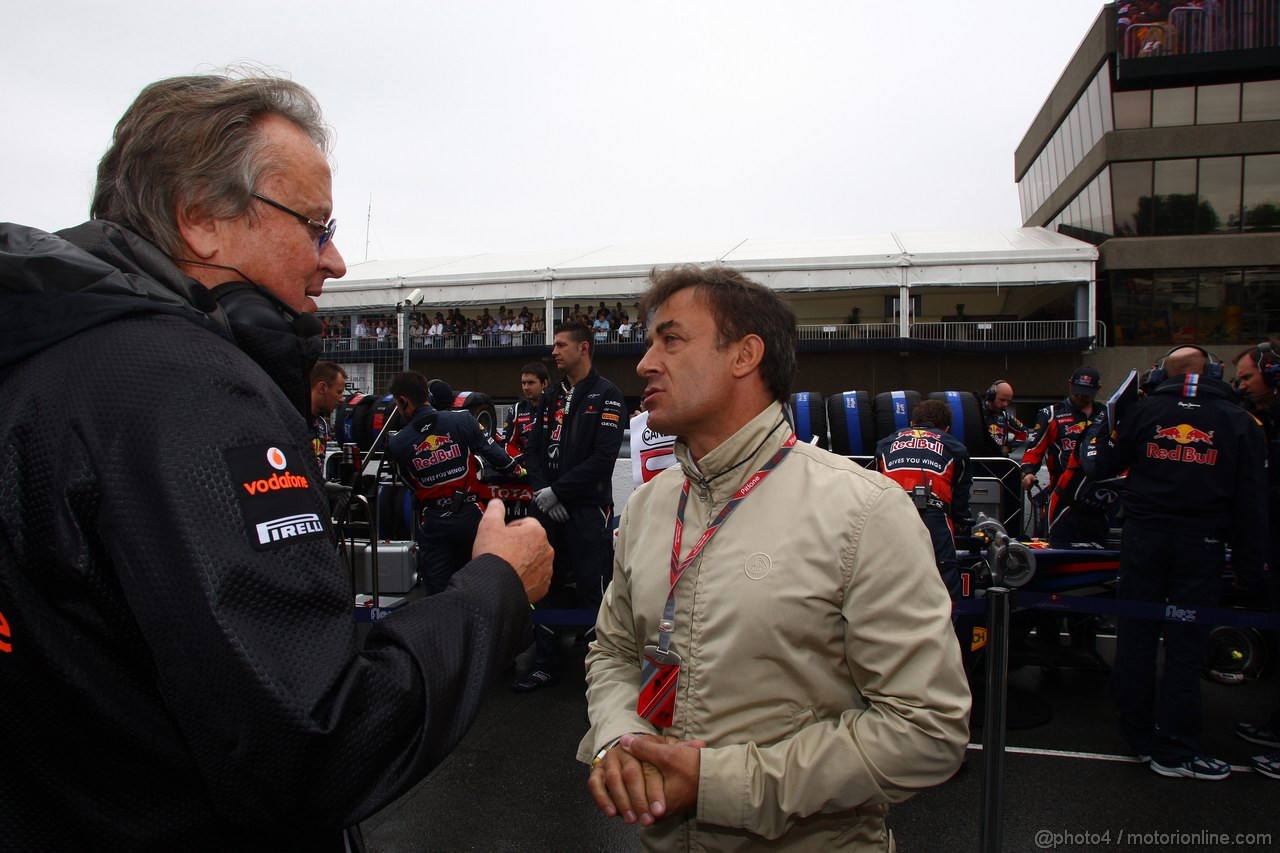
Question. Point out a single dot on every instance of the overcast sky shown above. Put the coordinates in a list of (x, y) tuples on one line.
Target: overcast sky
[(501, 126)]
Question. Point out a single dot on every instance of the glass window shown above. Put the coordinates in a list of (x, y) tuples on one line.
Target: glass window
[(1131, 190), (1262, 192), (1104, 192), (1093, 196), (1131, 307), (1219, 208), (1059, 163), (1174, 305), (1095, 113), (1070, 142), (1104, 98), (1262, 302), (1261, 101), (1173, 107), (1175, 196), (1218, 104), (1133, 109), (1080, 120)]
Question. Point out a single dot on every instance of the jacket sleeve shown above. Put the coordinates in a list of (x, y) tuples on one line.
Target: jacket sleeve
[(903, 656), (613, 662), (485, 447), (536, 443), (603, 429), (254, 651), (1042, 436)]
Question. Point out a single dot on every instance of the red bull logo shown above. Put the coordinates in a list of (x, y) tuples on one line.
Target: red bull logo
[(432, 443), (1184, 436), (438, 448), (1075, 428)]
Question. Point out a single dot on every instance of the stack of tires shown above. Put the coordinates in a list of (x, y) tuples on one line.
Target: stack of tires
[(851, 422)]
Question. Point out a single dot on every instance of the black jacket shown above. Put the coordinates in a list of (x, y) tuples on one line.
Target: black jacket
[(575, 454), (182, 670), (1196, 463)]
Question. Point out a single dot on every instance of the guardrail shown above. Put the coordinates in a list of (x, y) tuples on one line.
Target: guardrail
[(964, 332), (1001, 331)]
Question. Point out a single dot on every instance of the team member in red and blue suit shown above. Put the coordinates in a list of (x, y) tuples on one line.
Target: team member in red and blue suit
[(435, 454), (570, 453), (533, 384), (1197, 480), (1058, 430), (932, 465)]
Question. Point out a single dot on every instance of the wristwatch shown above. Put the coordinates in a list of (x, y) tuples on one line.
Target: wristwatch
[(599, 756)]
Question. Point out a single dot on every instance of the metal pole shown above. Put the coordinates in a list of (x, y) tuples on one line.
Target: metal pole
[(991, 832)]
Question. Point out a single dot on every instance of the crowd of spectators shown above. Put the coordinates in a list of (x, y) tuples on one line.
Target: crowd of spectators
[(504, 327)]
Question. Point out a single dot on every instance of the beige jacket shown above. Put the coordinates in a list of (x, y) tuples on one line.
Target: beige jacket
[(820, 664)]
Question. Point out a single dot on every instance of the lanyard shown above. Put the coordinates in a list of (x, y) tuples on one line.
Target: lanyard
[(678, 566)]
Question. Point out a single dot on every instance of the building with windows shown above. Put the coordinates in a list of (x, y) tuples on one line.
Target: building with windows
[(1160, 144)]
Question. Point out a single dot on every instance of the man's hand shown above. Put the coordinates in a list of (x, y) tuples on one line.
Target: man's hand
[(677, 763), (623, 785), (1028, 480), (558, 513), (544, 499), (522, 543)]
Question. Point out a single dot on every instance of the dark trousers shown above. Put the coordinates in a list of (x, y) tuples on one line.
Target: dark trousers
[(944, 549), (445, 540), (584, 557), (1163, 565)]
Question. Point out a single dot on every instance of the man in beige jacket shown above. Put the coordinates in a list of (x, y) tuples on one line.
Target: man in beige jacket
[(791, 669)]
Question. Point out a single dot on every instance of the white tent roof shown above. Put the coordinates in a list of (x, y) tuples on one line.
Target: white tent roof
[(1013, 257)]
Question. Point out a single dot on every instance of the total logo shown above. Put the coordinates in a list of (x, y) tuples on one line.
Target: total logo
[(1183, 436)]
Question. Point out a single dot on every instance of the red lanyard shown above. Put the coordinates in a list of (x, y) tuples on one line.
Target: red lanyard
[(677, 565)]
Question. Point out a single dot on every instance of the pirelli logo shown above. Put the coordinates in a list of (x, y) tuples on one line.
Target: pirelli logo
[(289, 527)]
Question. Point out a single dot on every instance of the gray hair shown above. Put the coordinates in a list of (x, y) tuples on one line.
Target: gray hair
[(194, 142)]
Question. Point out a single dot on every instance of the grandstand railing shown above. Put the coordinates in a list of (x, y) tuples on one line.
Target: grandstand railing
[(1213, 26), (961, 332), (1010, 331)]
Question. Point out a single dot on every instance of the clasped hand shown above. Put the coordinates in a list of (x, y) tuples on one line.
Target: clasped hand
[(647, 777)]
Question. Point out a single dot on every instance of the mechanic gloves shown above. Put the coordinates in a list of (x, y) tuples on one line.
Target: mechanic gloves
[(549, 505)]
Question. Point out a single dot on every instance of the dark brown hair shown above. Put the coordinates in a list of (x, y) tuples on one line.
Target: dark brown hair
[(740, 307)]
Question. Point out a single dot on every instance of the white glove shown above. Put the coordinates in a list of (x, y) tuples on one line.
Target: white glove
[(545, 499), (558, 513)]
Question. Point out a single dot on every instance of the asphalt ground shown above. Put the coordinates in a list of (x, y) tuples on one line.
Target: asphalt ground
[(1069, 782)]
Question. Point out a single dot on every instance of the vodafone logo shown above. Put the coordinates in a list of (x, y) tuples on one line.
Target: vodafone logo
[(275, 458), (5, 646)]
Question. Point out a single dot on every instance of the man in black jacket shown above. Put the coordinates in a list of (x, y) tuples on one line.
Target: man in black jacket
[(174, 606), (570, 455), (1197, 477)]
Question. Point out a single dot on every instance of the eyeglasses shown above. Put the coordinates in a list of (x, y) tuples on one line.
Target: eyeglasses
[(324, 233)]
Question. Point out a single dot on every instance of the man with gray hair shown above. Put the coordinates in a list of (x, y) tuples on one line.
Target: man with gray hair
[(170, 602)]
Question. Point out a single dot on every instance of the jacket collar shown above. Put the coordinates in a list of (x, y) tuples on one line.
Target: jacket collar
[(722, 472)]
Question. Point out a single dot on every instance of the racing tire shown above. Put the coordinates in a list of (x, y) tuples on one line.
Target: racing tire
[(1235, 655), (481, 407), (395, 512), (851, 423), (966, 419), (810, 418), (352, 419), (893, 411)]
